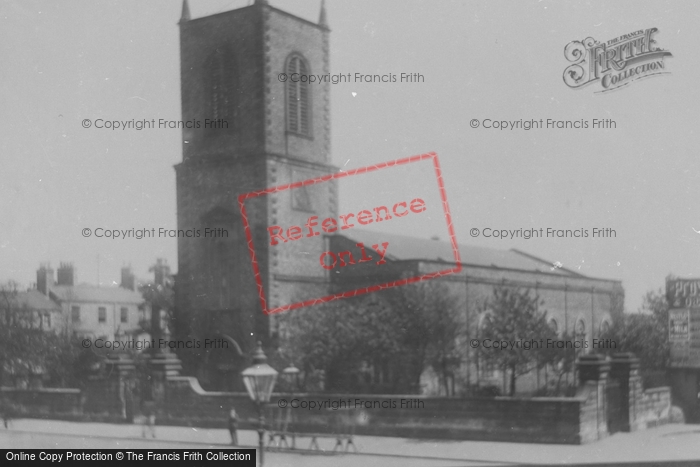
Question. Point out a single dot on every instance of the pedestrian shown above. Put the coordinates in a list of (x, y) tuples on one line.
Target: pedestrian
[(233, 426), (149, 422), (6, 410), (129, 405)]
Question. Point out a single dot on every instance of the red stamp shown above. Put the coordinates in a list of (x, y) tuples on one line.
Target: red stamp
[(307, 241)]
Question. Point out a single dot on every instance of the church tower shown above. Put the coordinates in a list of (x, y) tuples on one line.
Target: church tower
[(250, 124)]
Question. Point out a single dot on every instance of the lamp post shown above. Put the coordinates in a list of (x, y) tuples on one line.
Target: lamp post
[(291, 374), (259, 379)]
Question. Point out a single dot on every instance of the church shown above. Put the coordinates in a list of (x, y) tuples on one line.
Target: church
[(277, 132)]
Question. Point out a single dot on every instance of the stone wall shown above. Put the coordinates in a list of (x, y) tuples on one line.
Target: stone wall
[(544, 420), (45, 403), (653, 408), (577, 420)]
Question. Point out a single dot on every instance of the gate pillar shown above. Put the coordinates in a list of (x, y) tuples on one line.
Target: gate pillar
[(625, 371)]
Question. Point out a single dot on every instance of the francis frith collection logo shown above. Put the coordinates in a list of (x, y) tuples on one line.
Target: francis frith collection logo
[(615, 63)]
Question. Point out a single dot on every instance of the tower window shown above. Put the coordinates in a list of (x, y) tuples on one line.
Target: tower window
[(298, 108), (302, 195), (221, 80)]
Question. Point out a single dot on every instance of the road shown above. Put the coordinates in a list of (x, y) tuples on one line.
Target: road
[(17, 440), (667, 443)]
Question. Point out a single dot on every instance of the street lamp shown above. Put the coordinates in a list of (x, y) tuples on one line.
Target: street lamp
[(259, 379), (291, 374)]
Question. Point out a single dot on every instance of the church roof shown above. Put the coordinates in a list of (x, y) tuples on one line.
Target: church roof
[(94, 294), (402, 247)]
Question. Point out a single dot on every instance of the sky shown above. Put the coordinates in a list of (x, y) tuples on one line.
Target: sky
[(66, 61)]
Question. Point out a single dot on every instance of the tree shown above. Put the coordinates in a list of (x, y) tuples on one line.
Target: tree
[(561, 359), (513, 317), (159, 297), (645, 334), (396, 333), (431, 328), (26, 349)]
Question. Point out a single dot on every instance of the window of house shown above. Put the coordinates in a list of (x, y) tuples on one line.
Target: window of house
[(102, 314), (75, 314), (124, 315), (298, 108)]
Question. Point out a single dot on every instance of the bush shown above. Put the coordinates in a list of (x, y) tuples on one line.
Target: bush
[(487, 391), (676, 415)]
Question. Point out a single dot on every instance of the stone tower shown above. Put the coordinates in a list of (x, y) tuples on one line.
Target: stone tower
[(247, 129)]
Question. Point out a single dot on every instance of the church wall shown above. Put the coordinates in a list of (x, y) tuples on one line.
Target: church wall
[(203, 191), (285, 34), (215, 281), (216, 288), (239, 31), (564, 304), (294, 207)]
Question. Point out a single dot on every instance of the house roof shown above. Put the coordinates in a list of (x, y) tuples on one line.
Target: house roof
[(402, 247), (94, 294), (35, 300)]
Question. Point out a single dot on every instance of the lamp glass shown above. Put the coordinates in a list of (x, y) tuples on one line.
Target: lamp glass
[(259, 380)]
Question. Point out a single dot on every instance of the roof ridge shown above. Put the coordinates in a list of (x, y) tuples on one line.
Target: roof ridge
[(543, 261)]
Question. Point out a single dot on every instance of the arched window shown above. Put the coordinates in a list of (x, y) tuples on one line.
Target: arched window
[(221, 87), (604, 327), (554, 326), (298, 108)]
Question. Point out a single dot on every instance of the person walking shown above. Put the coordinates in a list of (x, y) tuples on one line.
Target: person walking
[(233, 426), (6, 411), (149, 424)]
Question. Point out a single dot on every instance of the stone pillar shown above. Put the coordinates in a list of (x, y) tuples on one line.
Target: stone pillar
[(162, 366), (119, 376), (593, 372), (625, 371)]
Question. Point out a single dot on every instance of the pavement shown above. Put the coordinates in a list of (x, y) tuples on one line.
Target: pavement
[(673, 442)]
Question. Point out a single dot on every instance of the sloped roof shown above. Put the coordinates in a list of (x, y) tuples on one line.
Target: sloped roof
[(94, 294), (35, 300), (402, 247)]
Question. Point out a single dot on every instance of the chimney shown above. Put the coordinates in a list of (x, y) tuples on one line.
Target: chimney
[(161, 271), (66, 274), (44, 279), (128, 279)]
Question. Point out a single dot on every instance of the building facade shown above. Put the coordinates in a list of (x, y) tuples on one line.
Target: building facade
[(582, 306), (88, 310), (683, 297)]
